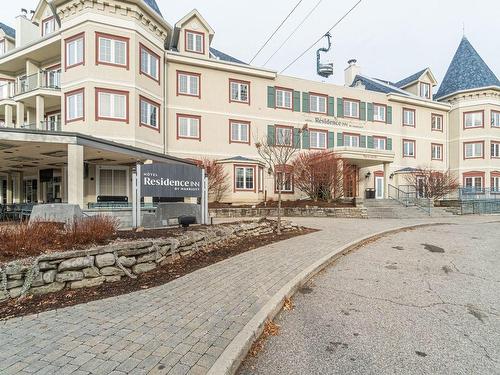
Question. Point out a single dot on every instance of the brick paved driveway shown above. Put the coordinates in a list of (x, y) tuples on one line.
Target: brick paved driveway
[(178, 328)]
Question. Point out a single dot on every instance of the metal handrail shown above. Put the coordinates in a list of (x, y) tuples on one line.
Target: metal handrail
[(39, 80), (398, 195), (410, 198), (471, 193)]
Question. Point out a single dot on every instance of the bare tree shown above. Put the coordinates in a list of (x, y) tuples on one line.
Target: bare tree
[(432, 183), (277, 156), (320, 174), (217, 178)]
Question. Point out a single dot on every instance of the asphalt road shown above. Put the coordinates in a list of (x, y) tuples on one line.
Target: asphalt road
[(419, 302)]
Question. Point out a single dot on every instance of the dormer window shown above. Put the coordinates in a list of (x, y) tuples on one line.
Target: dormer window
[(195, 42), (48, 26), (425, 90)]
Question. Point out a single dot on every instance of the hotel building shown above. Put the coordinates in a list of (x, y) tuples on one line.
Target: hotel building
[(89, 88)]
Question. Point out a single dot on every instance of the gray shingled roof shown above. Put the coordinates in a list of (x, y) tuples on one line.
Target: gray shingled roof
[(240, 158), (224, 57), (373, 84), (467, 71), (152, 4), (9, 31), (410, 79)]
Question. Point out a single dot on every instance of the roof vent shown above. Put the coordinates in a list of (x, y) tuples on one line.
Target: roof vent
[(352, 62), (24, 12)]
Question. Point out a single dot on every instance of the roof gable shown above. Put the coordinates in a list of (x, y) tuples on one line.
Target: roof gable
[(467, 71), (415, 77), (9, 31), (377, 85)]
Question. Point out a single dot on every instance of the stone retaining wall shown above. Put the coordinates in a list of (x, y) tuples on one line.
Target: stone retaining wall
[(92, 267), (340, 212)]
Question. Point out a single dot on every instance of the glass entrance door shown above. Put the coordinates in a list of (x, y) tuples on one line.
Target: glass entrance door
[(379, 187)]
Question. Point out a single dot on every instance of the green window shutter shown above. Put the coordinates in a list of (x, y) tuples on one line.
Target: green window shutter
[(271, 97), (296, 137), (305, 102), (388, 144), (340, 139), (340, 107), (306, 140), (271, 135), (369, 142), (296, 101), (389, 114), (362, 141), (369, 114), (331, 139), (362, 111), (331, 106)]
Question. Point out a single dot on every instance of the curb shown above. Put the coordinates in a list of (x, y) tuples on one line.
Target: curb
[(234, 354)]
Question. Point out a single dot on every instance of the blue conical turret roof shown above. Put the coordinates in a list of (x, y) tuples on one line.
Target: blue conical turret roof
[(467, 71)]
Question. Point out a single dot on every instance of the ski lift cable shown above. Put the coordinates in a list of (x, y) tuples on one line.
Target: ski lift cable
[(293, 32), (317, 41), (275, 31)]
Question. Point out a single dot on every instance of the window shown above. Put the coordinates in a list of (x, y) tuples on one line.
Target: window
[(437, 122), (408, 117), (113, 182), (239, 131), (379, 112), (495, 184), (473, 119), (195, 42), (351, 140), (495, 149), (351, 108), (473, 183), (75, 51), (75, 102), (149, 113), (261, 178), (284, 180), (112, 105), (317, 103), (150, 63), (48, 26), (436, 151), (408, 148), (284, 136), (244, 178), (112, 50), (188, 127), (318, 139), (2, 47), (284, 98), (379, 143), (473, 150), (425, 90), (188, 84), (239, 91), (53, 77), (495, 119)]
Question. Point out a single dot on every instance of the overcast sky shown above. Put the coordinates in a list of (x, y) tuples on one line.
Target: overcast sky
[(391, 39)]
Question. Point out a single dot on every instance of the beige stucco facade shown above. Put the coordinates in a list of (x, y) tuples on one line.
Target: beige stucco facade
[(41, 76)]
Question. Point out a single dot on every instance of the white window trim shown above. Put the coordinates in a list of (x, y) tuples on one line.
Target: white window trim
[(351, 105), (495, 146), (283, 101), (149, 63), (81, 39), (437, 117), (376, 113), (195, 35), (408, 155), (495, 115), (351, 137), (68, 109), (149, 108), (112, 110), (284, 190), (414, 115), (474, 149), (318, 98), (240, 125), (189, 78), (423, 94), (474, 116), (239, 91), (377, 141), (51, 22), (245, 168), (113, 57), (189, 128), (316, 134), (434, 155), (473, 179), (276, 128)]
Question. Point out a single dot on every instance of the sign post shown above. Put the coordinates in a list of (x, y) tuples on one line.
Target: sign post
[(169, 181)]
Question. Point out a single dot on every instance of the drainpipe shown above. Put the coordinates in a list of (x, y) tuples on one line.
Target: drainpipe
[(165, 104)]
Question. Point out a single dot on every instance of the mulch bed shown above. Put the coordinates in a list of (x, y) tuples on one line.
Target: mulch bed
[(159, 276), (286, 204)]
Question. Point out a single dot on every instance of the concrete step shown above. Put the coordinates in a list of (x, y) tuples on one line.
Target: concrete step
[(391, 209)]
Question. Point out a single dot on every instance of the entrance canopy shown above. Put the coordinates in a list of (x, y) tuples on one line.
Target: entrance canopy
[(364, 157)]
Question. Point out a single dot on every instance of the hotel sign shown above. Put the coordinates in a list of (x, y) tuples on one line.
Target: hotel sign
[(335, 122), (170, 181)]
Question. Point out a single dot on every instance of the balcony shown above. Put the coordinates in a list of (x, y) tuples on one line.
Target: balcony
[(51, 125), (42, 80)]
